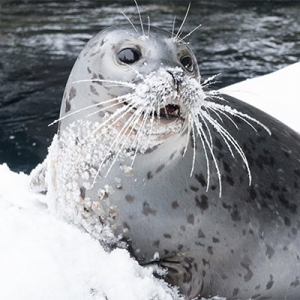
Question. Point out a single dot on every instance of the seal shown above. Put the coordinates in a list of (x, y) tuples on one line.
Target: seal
[(191, 180)]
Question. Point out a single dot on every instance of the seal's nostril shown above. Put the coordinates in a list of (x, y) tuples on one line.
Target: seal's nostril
[(177, 78), (174, 81)]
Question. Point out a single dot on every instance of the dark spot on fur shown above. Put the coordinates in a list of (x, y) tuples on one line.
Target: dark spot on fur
[(226, 166), (215, 240), (167, 236), (229, 180), (210, 250), (290, 206), (160, 168), (82, 192), (93, 90), (203, 203), (129, 198), (72, 93), (172, 155), (228, 207), (95, 53), (191, 219), (147, 209), (205, 262), (68, 106), (200, 178), (150, 150), (194, 188), (257, 287), (296, 282), (156, 243), (149, 175), (201, 234), (125, 225), (245, 264), (235, 292), (180, 247), (235, 215), (175, 204), (269, 252), (89, 70), (270, 283), (266, 159)]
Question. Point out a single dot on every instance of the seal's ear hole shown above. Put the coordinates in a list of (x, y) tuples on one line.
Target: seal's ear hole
[(129, 56), (188, 63)]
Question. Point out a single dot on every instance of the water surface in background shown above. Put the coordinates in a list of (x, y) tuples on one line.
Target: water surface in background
[(40, 40)]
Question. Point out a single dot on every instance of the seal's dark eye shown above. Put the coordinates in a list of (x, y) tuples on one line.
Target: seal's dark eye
[(187, 62), (129, 56)]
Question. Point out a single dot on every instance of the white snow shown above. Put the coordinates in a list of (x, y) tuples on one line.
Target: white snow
[(277, 94), (42, 257)]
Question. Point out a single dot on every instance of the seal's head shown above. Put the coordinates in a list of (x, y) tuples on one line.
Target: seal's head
[(122, 70)]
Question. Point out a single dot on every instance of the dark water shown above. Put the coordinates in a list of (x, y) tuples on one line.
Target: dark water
[(40, 40)]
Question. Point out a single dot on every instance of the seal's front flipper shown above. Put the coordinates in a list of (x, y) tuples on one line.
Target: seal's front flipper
[(38, 181), (183, 272)]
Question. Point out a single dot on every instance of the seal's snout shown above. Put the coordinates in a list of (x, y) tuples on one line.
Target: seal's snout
[(177, 76)]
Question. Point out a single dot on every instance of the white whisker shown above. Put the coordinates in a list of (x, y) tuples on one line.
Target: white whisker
[(224, 114), (116, 139), (90, 106), (194, 148), (182, 39), (140, 131), (181, 26), (149, 25), (129, 21), (107, 107), (173, 27), (128, 84), (230, 138), (123, 111), (135, 118), (140, 16)]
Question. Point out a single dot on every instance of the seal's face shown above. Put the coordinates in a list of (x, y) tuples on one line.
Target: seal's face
[(135, 78)]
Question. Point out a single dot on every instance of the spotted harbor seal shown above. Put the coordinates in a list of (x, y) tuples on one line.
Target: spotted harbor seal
[(192, 180)]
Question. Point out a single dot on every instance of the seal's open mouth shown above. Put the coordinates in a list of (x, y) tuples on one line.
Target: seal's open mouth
[(169, 111)]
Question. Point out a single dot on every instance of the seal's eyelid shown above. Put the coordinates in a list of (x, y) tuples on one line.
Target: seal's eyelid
[(188, 63), (129, 56)]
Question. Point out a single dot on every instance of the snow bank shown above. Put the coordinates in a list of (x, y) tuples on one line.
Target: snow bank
[(42, 257), (277, 94)]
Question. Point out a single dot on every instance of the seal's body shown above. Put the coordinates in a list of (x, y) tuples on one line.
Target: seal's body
[(144, 151)]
